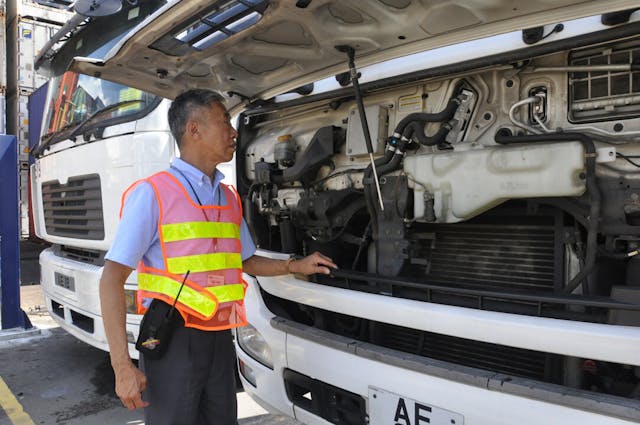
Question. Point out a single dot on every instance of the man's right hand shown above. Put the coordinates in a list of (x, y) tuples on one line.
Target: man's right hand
[(130, 382)]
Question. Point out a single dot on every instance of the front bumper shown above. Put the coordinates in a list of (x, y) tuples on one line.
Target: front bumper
[(76, 307), (479, 397)]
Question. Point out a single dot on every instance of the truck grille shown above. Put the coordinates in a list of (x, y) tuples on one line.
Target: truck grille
[(465, 352), (84, 255), (74, 209), (481, 355)]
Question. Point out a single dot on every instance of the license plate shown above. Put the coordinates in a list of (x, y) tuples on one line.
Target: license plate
[(386, 408), (64, 281)]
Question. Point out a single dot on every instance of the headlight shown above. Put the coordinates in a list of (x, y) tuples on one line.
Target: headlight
[(252, 343)]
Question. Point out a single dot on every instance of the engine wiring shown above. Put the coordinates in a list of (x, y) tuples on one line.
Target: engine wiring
[(628, 158)]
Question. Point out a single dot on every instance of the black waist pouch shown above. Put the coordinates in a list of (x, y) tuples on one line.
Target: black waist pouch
[(157, 326)]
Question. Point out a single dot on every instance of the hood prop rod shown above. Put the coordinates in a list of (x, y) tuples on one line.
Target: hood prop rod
[(351, 53)]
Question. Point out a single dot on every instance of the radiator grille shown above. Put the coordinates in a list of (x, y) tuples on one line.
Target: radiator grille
[(84, 255), (496, 358), (492, 257), (74, 209)]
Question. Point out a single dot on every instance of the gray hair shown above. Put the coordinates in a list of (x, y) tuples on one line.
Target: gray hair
[(184, 106)]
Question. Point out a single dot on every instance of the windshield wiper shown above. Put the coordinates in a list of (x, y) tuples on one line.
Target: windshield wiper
[(109, 108), (78, 126), (53, 137)]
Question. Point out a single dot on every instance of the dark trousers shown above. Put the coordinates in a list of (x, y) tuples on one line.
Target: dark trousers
[(194, 382)]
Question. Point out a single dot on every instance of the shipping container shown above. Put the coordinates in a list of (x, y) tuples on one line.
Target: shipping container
[(3, 49), (23, 158), (23, 181), (34, 11), (36, 25), (32, 36), (23, 124)]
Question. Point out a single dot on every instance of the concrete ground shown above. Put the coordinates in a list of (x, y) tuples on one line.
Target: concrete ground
[(49, 377)]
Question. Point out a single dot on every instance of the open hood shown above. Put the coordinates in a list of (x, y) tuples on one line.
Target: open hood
[(258, 49)]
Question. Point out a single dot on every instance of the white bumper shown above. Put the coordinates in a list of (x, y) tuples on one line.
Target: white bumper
[(480, 397), (77, 309)]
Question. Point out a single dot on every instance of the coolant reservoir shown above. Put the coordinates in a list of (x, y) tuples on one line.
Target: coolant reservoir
[(464, 184)]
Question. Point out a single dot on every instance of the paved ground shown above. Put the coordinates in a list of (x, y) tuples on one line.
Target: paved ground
[(57, 379), (48, 377)]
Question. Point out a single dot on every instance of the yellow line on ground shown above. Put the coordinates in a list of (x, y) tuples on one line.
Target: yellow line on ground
[(12, 406)]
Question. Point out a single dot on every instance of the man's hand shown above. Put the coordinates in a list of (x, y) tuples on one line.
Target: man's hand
[(130, 382), (314, 263), (263, 266)]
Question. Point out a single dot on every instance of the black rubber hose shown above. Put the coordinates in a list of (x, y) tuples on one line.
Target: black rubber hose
[(592, 188), (391, 165), (368, 172), (416, 129), (445, 115)]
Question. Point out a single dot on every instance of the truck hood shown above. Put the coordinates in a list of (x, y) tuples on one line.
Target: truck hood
[(272, 47)]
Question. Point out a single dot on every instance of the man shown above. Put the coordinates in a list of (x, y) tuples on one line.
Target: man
[(183, 225)]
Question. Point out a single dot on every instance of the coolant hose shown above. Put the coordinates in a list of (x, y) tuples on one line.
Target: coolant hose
[(445, 115), (416, 129), (391, 165)]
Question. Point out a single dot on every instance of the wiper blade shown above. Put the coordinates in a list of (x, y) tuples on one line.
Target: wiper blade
[(78, 126), (52, 137), (99, 112)]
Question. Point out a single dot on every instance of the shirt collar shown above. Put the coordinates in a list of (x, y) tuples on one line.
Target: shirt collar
[(196, 176)]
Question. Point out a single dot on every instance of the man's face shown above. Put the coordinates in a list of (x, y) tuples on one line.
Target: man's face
[(217, 135)]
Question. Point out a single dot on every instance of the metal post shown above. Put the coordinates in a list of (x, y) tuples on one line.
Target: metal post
[(12, 314)]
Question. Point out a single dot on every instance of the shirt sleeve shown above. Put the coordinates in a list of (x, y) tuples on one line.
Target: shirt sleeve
[(248, 247), (138, 227)]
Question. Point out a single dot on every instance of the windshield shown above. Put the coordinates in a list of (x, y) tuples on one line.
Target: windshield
[(75, 98)]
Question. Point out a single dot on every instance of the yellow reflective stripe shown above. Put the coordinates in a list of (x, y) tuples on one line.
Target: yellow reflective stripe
[(226, 293), (189, 296), (199, 229), (204, 262)]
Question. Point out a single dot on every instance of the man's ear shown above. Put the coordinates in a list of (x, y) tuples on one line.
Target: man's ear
[(192, 129)]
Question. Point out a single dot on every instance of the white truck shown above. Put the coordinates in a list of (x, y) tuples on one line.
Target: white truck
[(98, 137), (472, 167), (95, 145)]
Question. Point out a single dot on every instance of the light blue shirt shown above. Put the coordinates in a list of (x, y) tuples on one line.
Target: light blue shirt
[(137, 235)]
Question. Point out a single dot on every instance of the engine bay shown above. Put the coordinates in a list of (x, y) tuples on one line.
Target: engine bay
[(511, 188), (547, 139)]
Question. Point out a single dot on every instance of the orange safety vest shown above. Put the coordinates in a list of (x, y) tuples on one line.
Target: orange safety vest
[(205, 241)]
